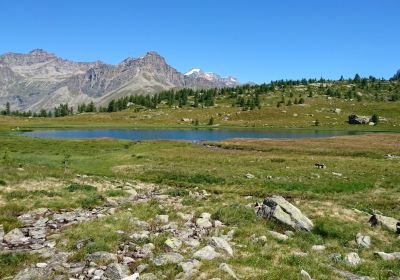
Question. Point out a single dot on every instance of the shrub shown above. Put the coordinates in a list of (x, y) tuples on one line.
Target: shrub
[(3, 183), (81, 188), (178, 192), (91, 200)]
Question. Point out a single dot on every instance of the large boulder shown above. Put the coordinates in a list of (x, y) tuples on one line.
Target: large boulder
[(354, 119), (278, 209), (388, 222)]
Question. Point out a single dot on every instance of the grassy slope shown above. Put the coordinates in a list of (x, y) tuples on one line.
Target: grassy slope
[(368, 181)]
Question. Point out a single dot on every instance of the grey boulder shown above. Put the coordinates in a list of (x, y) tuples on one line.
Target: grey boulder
[(278, 209)]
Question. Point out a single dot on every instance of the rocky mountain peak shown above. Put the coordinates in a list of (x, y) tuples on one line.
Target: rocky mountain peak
[(55, 80)]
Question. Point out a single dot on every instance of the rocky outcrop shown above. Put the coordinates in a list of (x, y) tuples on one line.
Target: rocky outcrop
[(278, 209)]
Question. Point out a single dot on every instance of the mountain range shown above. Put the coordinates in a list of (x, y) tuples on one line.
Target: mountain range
[(41, 80)]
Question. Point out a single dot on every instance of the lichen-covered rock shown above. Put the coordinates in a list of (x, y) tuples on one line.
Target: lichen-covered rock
[(168, 258), (363, 240), (206, 253), (280, 210), (15, 237), (116, 271), (352, 259), (221, 243), (389, 256)]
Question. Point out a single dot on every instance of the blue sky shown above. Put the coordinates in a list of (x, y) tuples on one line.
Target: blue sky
[(252, 40)]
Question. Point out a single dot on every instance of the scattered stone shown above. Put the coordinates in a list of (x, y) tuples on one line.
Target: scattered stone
[(1, 233), (15, 237), (32, 274), (278, 209), (352, 259), (148, 276), (337, 174), (304, 274), (335, 257), (387, 222), (206, 253), (389, 256), (389, 156), (141, 268), (189, 266), (220, 243), (318, 248), (173, 244), (105, 257), (132, 277), (249, 176), (162, 219), (349, 275), (320, 165), (203, 223), (363, 240), (41, 265), (140, 235), (167, 259), (116, 271), (205, 215), (278, 236), (300, 254), (226, 268)]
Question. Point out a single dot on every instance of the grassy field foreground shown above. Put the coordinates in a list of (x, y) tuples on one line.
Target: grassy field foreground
[(179, 178)]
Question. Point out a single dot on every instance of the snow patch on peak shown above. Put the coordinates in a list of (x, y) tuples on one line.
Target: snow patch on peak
[(194, 70)]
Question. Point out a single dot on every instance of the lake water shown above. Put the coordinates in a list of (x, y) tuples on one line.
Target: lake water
[(184, 134)]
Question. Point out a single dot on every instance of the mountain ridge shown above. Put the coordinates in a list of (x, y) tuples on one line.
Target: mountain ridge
[(41, 80)]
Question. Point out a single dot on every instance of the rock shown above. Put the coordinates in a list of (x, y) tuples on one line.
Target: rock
[(116, 271), (190, 265), (140, 235), (320, 165), (102, 257), (203, 223), (389, 256), (163, 219), (41, 265), (32, 274), (141, 267), (390, 223), (134, 276), (173, 243), (304, 274), (335, 257), (206, 253), (205, 215), (15, 237), (37, 233), (220, 243), (318, 248), (352, 259), (111, 202), (300, 254), (363, 241), (249, 176), (226, 268), (349, 275), (127, 260), (278, 235), (338, 111), (148, 276), (278, 209), (354, 119), (167, 259), (1, 233)]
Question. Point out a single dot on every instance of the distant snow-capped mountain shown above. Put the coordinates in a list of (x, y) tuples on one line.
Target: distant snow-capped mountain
[(212, 77)]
